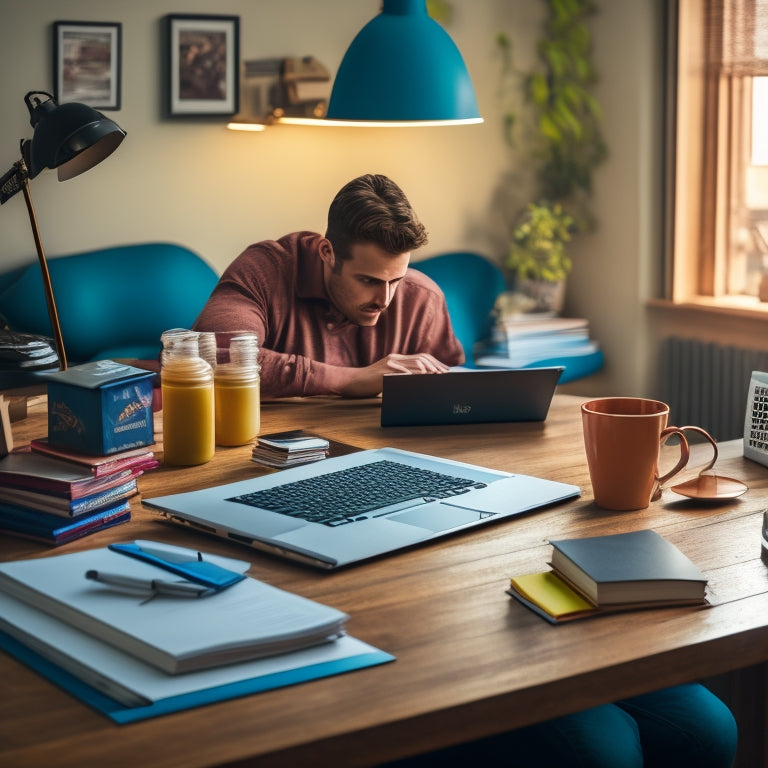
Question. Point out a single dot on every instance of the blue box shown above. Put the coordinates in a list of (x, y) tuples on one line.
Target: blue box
[(100, 408)]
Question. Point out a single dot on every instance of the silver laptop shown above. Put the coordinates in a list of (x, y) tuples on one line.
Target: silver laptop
[(326, 514), (468, 396)]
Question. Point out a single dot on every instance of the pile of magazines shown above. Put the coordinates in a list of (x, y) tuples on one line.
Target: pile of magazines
[(26, 351)]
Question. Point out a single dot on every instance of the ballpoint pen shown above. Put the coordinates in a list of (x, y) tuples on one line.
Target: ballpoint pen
[(137, 586)]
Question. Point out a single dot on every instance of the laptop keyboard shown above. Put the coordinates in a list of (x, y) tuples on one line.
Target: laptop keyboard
[(349, 495)]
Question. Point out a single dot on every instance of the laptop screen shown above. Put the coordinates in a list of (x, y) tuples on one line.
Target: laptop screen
[(468, 396)]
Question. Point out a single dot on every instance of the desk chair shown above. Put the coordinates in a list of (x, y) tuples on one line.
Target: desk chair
[(471, 284)]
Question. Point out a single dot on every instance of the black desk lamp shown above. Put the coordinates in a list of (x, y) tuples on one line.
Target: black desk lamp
[(71, 137)]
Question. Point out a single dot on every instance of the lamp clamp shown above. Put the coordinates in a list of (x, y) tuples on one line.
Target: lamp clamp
[(13, 180)]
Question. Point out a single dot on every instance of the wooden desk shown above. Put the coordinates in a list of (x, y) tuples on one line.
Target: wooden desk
[(470, 660)]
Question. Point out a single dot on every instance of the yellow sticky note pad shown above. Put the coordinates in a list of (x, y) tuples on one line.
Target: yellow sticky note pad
[(551, 594)]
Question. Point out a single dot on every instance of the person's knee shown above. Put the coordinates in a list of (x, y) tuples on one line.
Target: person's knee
[(684, 726)]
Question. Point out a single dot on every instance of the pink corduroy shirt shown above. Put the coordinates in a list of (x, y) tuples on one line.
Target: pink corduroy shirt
[(276, 289)]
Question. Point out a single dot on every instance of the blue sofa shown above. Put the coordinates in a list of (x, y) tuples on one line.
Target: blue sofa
[(471, 284), (112, 302)]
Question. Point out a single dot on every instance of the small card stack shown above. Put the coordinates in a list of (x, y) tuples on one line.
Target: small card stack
[(287, 449), (602, 574)]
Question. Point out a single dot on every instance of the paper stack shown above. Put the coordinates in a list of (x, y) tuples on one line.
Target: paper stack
[(56, 496), (120, 653), (522, 341), (287, 449)]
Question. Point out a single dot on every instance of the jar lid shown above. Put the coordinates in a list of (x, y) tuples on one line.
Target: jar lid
[(233, 373), (186, 370)]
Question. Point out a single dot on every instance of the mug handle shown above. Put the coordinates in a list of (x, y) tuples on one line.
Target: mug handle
[(685, 454), (711, 441)]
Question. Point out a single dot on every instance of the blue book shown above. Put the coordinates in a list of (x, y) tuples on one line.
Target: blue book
[(55, 529), (41, 501)]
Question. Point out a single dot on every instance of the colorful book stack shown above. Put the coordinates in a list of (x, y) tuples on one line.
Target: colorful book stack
[(601, 574), (55, 496)]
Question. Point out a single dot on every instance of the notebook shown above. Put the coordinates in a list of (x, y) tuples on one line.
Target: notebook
[(468, 396), (324, 514)]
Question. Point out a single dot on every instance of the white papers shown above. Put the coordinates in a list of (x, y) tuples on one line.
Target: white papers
[(245, 621), (134, 683)]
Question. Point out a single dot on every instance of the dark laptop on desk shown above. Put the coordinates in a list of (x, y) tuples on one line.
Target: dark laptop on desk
[(345, 509), (468, 396)]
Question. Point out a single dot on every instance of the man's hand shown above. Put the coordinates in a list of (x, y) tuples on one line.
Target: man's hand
[(367, 382)]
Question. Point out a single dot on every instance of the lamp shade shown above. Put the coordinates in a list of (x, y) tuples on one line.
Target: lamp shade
[(403, 66), (71, 137)]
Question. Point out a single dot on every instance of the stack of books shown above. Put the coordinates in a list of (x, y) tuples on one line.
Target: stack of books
[(27, 352), (602, 574), (56, 496), (117, 650), (288, 449), (523, 341)]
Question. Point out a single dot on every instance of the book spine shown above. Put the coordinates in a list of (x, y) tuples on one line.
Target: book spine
[(65, 489), (52, 530), (99, 500), (36, 502)]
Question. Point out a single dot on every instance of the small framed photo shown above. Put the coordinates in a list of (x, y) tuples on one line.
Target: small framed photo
[(87, 63), (203, 65)]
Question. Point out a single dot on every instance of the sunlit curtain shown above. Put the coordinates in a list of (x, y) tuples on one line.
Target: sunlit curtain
[(737, 36)]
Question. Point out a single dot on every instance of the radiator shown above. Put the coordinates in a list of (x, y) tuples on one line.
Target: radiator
[(707, 384)]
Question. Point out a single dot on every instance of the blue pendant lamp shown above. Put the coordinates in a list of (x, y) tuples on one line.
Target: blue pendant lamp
[(403, 68)]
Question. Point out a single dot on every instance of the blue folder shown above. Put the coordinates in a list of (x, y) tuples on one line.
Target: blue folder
[(124, 714)]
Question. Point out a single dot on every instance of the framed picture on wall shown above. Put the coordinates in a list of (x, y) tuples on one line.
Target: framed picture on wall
[(203, 65), (87, 63)]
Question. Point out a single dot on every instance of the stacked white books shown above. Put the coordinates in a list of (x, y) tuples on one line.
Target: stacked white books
[(142, 650), (520, 341)]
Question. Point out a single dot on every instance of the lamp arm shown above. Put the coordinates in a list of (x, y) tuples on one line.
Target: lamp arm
[(53, 315)]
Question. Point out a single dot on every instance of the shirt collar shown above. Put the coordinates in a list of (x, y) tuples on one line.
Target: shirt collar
[(310, 284), (309, 272)]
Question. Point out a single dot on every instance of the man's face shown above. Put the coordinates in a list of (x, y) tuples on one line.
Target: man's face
[(363, 286)]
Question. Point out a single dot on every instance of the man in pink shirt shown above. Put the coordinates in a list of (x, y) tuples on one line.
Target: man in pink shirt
[(333, 314)]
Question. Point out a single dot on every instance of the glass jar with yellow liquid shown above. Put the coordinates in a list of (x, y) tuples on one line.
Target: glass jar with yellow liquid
[(188, 403), (237, 392)]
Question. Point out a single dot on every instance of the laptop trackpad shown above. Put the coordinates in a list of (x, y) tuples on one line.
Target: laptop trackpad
[(438, 517)]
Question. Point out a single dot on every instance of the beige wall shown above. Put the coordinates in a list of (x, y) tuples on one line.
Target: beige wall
[(216, 191)]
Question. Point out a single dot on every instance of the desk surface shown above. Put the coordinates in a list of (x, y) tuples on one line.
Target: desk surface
[(470, 660)]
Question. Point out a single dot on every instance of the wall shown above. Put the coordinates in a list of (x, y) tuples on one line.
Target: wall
[(216, 191)]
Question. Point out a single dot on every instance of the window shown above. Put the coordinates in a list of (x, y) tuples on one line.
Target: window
[(718, 169)]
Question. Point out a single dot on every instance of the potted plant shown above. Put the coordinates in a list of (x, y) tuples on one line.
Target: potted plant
[(560, 134), (538, 255)]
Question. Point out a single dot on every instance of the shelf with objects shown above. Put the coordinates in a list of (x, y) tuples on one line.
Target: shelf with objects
[(538, 339)]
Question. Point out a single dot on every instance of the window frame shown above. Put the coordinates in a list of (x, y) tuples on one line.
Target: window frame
[(707, 154)]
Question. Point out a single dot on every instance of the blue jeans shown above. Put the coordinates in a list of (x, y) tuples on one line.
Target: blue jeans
[(673, 728)]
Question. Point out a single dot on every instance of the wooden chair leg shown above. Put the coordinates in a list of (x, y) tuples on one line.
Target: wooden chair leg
[(6, 436)]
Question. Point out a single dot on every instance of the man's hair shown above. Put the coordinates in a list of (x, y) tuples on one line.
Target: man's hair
[(373, 209)]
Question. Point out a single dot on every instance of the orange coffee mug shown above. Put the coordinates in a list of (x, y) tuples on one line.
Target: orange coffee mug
[(622, 438)]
